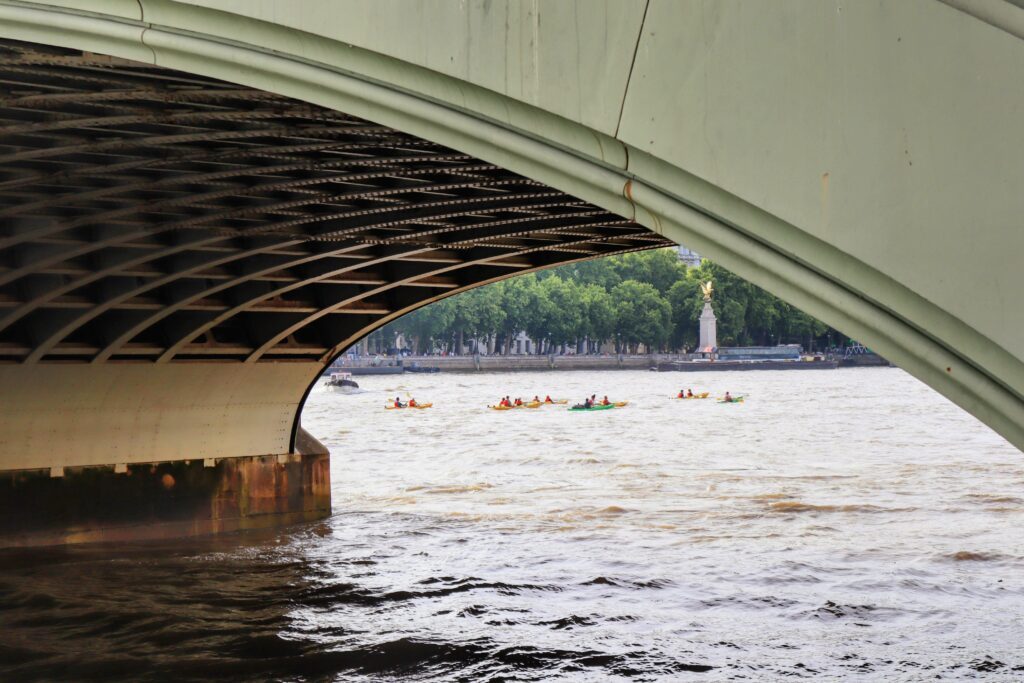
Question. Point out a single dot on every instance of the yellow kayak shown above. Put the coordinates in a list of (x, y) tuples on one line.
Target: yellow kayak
[(695, 396), (620, 404), (502, 407), (419, 406)]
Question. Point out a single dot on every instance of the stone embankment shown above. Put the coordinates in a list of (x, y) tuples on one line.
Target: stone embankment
[(506, 363), (659, 362)]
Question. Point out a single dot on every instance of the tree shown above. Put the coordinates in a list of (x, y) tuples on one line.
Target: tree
[(423, 326), (660, 268), (642, 316), (539, 313), (563, 310), (487, 313), (515, 301), (599, 314), (686, 302)]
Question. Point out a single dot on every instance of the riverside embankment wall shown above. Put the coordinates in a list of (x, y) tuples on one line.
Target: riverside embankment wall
[(517, 363)]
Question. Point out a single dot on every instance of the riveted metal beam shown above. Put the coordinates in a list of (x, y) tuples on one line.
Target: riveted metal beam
[(151, 214)]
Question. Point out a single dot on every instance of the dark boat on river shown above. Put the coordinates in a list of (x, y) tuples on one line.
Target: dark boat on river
[(342, 381)]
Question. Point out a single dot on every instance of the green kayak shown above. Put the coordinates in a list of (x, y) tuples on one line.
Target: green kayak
[(596, 407)]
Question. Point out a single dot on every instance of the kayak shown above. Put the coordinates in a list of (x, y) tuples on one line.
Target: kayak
[(421, 406), (502, 407), (694, 397), (601, 406), (735, 399)]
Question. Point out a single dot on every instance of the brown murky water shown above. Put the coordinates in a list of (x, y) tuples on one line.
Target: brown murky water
[(836, 525)]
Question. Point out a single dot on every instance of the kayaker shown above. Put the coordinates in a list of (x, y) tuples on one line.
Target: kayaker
[(728, 397), (536, 399), (606, 402), (519, 401), (398, 402), (547, 399), (412, 402), (588, 404), (689, 393)]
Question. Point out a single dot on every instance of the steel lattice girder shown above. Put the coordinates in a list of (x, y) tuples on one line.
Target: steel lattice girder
[(151, 214)]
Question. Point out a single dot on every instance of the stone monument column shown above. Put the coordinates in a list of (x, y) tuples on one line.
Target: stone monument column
[(708, 323)]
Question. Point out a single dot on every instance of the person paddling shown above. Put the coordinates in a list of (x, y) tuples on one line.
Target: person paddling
[(536, 399), (547, 399), (681, 394), (398, 402), (689, 393), (588, 404), (412, 402), (606, 402), (728, 397)]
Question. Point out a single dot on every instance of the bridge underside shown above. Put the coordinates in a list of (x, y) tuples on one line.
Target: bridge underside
[(180, 257), (151, 215)]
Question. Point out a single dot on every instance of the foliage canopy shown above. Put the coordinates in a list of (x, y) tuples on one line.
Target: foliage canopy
[(643, 298)]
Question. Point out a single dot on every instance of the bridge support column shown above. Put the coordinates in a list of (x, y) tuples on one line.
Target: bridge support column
[(164, 500), (129, 451)]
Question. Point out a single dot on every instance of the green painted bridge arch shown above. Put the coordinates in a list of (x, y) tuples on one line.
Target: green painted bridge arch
[(861, 160)]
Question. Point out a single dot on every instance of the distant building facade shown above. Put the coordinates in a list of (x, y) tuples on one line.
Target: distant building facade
[(689, 257)]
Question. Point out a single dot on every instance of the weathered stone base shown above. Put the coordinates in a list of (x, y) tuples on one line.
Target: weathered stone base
[(162, 500)]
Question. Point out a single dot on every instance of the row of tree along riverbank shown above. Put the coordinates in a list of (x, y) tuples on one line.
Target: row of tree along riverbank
[(638, 302)]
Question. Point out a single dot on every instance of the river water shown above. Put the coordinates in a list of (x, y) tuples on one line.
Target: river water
[(838, 524)]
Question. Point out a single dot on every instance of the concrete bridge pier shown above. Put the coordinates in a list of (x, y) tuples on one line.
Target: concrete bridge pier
[(100, 462), (162, 500)]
